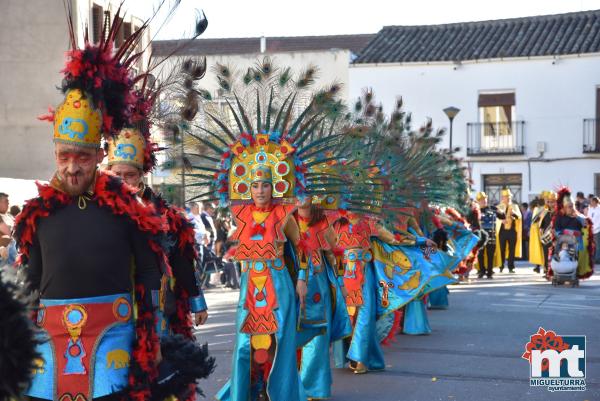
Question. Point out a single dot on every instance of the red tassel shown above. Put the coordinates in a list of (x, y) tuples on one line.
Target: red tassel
[(396, 326)]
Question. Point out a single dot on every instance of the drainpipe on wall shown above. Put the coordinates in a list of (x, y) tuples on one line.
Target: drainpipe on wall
[(529, 160), (263, 44)]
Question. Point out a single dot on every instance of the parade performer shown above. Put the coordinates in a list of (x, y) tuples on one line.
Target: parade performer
[(461, 243), (264, 164), (536, 250), (487, 223), (394, 269), (540, 237), (131, 155), (546, 229), (78, 240), (568, 221), (508, 232), (325, 300), (431, 226), (474, 220), (354, 234)]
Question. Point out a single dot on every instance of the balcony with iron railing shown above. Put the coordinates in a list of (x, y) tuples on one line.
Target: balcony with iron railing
[(499, 138), (591, 135)]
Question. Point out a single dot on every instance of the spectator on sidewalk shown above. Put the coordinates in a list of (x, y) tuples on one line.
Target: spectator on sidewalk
[(581, 203), (14, 211), (594, 215), (207, 214), (199, 227), (223, 225), (8, 252), (7, 221)]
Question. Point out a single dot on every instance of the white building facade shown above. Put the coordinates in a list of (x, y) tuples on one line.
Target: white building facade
[(32, 54), (527, 121)]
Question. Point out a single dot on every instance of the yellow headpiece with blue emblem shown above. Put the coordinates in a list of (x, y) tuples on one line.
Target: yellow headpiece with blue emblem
[(127, 148), (77, 122)]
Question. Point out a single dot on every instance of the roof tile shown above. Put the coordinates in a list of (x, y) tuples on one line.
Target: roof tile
[(205, 47), (547, 35)]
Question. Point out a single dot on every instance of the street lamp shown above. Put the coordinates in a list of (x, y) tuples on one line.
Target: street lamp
[(451, 112)]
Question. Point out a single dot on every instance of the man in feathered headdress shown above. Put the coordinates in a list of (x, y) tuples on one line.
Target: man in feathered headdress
[(89, 248), (131, 156)]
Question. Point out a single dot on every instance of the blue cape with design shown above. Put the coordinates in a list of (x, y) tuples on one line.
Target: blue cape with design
[(404, 273)]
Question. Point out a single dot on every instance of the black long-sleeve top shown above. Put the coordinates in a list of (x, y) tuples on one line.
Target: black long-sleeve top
[(564, 222), (182, 264), (86, 253)]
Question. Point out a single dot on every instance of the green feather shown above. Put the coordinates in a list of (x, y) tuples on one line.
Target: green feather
[(258, 122), (244, 116), (222, 126), (279, 113), (268, 119), (235, 115), (207, 143)]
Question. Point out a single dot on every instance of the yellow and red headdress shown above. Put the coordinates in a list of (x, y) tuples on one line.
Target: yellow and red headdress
[(97, 85), (549, 195), (261, 157), (278, 136)]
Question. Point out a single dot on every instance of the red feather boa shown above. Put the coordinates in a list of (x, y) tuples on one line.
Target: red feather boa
[(455, 215), (112, 194), (183, 230)]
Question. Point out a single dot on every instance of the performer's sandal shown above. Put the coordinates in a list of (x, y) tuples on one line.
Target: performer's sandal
[(360, 368)]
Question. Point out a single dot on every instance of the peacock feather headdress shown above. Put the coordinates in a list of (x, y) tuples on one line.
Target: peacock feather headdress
[(267, 122)]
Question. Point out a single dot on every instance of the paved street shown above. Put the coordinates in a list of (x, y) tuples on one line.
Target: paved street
[(474, 352)]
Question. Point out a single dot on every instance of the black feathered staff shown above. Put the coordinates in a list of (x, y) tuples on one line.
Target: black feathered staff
[(17, 344)]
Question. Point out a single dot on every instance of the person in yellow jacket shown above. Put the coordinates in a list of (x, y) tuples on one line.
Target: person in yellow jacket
[(540, 237), (536, 251), (508, 232)]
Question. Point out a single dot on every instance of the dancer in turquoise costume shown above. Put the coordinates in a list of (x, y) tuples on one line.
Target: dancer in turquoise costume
[(418, 173), (383, 271), (325, 301), (461, 242), (363, 301), (264, 161)]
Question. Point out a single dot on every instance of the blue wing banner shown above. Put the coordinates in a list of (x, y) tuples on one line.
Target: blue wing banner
[(404, 273)]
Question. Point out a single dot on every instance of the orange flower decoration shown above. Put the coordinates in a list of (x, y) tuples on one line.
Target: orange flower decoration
[(542, 341)]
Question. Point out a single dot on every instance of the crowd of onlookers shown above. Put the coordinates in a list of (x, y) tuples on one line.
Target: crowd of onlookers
[(589, 207), (213, 233), (214, 230), (8, 251)]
